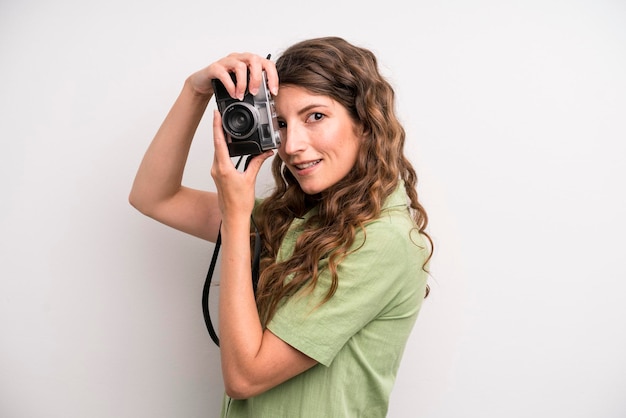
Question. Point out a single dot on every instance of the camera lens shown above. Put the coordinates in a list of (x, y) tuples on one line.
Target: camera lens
[(240, 120)]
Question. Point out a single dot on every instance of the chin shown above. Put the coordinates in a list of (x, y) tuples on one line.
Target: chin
[(311, 192), (312, 189)]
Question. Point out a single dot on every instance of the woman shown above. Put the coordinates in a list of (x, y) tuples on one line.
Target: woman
[(344, 246)]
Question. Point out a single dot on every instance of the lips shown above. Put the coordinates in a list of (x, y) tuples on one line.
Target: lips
[(304, 166)]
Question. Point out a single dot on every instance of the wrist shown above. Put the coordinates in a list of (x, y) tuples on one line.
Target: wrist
[(202, 93), (234, 223)]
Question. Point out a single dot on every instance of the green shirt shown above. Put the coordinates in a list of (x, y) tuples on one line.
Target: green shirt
[(358, 336)]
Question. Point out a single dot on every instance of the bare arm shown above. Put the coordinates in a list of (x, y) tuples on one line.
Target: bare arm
[(253, 360), (157, 190)]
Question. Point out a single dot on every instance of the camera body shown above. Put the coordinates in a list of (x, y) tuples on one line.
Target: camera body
[(250, 125)]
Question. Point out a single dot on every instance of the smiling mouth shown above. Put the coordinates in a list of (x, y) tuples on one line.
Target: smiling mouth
[(307, 165)]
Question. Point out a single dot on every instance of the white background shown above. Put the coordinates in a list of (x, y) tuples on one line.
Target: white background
[(516, 120)]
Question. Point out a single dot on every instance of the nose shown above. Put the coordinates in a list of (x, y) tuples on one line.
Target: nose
[(293, 140)]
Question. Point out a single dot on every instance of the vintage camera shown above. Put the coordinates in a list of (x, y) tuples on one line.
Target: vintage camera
[(250, 125)]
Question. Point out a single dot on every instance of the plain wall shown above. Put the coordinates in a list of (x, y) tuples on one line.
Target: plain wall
[(515, 114)]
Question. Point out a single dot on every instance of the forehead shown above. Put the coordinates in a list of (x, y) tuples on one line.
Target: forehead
[(293, 99)]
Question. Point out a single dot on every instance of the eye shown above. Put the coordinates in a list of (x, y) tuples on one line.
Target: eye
[(282, 124), (314, 117)]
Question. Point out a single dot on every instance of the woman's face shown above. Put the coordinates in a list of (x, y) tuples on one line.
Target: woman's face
[(319, 140)]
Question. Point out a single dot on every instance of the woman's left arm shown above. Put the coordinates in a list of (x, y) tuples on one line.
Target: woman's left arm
[(253, 360)]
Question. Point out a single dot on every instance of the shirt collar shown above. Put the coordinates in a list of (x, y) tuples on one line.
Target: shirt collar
[(397, 197)]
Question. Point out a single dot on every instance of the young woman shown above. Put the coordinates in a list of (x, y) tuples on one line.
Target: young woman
[(343, 235)]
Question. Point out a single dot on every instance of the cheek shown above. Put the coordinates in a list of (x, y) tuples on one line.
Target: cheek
[(350, 148), (281, 152)]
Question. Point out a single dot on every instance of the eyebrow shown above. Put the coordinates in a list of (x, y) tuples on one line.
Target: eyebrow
[(307, 108)]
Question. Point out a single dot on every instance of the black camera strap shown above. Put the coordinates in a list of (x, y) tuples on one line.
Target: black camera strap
[(206, 289), (209, 277)]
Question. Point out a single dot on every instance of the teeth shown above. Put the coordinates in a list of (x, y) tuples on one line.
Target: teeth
[(307, 165)]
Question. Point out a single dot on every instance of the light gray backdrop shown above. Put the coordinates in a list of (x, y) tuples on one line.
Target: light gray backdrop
[(515, 113)]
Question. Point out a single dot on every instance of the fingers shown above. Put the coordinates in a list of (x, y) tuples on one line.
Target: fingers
[(221, 157), (257, 161), (235, 189), (247, 69), (272, 78)]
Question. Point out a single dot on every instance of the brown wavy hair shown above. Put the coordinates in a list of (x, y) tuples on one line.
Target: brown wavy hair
[(348, 74)]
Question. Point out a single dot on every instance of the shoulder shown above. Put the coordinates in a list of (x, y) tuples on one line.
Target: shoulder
[(394, 235), (395, 227)]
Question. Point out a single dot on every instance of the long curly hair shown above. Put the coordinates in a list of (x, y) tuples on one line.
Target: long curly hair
[(333, 67)]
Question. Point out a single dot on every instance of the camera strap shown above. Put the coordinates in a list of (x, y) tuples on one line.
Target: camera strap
[(209, 277)]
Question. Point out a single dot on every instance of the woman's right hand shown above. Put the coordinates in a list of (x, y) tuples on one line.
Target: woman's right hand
[(240, 64), (157, 190)]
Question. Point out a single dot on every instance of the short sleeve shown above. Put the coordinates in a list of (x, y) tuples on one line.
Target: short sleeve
[(381, 276)]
